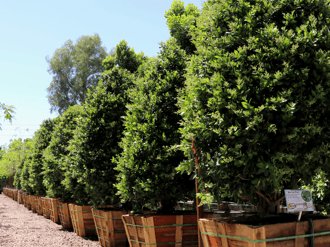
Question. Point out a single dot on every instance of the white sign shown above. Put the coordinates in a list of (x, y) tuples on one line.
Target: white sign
[(298, 200)]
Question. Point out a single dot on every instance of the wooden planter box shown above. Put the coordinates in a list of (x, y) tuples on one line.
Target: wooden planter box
[(23, 197), (15, 195), (27, 202), (82, 220), (64, 215), (40, 205), (33, 204), (54, 216), (46, 202), (164, 230), (213, 234), (20, 196), (110, 228)]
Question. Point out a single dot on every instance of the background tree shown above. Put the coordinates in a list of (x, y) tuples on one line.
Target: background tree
[(258, 96), (13, 156), (147, 164), (96, 140), (76, 67)]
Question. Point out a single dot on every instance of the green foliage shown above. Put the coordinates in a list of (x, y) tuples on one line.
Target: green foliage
[(76, 68), (124, 57), (257, 98), (55, 154), (41, 141), (8, 112), (319, 186), (25, 174), (147, 164), (181, 21), (91, 176), (13, 156)]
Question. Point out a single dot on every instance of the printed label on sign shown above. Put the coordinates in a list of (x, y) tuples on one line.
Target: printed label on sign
[(299, 200)]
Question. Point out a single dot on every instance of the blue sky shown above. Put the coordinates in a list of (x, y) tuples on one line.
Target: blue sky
[(32, 30)]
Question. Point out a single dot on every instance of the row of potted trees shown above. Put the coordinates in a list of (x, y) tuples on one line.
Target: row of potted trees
[(247, 81)]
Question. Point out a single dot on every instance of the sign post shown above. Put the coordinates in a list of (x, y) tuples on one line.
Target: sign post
[(298, 201)]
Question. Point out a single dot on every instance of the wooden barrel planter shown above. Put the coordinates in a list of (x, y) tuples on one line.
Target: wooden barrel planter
[(164, 230), (27, 202), (20, 197), (33, 203), (82, 220), (54, 216), (109, 227), (40, 205), (34, 199), (64, 215), (46, 207), (15, 195), (295, 234)]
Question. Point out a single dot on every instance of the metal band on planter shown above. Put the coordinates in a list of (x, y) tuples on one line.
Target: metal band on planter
[(267, 240)]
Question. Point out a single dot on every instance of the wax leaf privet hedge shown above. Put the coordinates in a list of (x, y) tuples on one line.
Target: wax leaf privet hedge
[(96, 140), (257, 98), (147, 164), (54, 156)]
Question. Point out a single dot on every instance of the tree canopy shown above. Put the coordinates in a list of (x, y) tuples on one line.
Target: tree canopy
[(258, 96), (147, 164), (54, 156), (97, 137), (75, 68), (13, 155)]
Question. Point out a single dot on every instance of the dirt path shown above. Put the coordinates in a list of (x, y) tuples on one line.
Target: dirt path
[(19, 227)]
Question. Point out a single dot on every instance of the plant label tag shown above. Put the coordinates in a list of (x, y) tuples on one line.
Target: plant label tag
[(298, 200)]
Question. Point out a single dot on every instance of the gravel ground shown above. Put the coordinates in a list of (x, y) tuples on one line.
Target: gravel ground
[(19, 227)]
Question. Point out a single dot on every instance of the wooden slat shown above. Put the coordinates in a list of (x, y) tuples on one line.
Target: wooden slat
[(222, 230), (299, 231), (260, 233), (178, 232), (135, 231), (146, 231), (111, 228), (152, 233), (205, 238), (124, 218)]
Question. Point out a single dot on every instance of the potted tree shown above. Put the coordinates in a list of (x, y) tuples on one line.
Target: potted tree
[(256, 105), (24, 180), (147, 175), (96, 143), (41, 141), (53, 164)]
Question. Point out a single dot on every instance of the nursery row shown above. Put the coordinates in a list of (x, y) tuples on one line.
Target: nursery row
[(115, 227)]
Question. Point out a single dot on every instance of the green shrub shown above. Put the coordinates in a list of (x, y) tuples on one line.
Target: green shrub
[(96, 140), (147, 164), (41, 141), (257, 98), (55, 154)]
